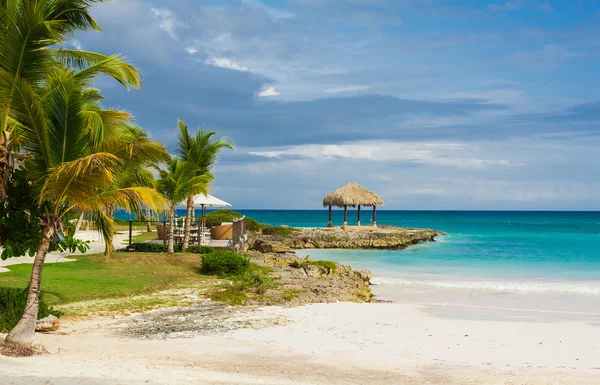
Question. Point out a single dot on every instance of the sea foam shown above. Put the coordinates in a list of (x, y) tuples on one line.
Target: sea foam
[(502, 286)]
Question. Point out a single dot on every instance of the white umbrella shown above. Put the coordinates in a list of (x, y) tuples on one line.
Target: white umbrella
[(208, 201), (204, 201)]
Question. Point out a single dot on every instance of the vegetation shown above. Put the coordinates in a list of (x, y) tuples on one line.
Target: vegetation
[(254, 280), (157, 248), (215, 218), (280, 231), (128, 274), (144, 237), (73, 151), (12, 303), (224, 263), (200, 154), (176, 183), (331, 266)]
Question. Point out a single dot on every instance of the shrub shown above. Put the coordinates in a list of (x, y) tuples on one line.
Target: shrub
[(160, 248), (12, 304), (215, 218), (223, 262), (200, 249), (153, 248), (280, 231), (256, 279)]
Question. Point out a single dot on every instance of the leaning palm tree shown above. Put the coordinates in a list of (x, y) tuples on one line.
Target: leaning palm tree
[(65, 168), (201, 152), (176, 183)]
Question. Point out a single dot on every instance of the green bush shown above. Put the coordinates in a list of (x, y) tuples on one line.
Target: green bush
[(153, 248), (256, 279), (200, 249), (215, 218), (223, 263), (12, 305), (280, 231), (160, 248)]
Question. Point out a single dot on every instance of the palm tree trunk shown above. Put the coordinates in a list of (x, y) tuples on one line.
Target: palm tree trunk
[(109, 247), (88, 222), (148, 216), (79, 222), (188, 224), (171, 249), (24, 332)]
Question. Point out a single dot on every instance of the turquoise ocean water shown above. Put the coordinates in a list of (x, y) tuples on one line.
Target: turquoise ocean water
[(503, 251)]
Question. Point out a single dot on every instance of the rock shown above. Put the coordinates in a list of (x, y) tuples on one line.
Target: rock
[(385, 238), (265, 246), (308, 259), (48, 324), (312, 271), (365, 275)]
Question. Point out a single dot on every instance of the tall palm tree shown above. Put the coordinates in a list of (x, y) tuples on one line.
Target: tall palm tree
[(176, 183), (65, 167), (201, 152)]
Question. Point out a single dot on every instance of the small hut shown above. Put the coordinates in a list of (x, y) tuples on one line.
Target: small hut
[(353, 195)]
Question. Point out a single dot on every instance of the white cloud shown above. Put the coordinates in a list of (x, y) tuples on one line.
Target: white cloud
[(268, 91), (226, 63), (431, 153), (350, 88), (191, 50), (76, 44), (167, 21)]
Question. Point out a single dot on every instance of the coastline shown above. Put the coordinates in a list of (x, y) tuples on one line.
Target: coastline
[(337, 343), (438, 336)]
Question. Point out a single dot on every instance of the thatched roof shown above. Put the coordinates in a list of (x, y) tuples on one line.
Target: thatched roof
[(352, 194)]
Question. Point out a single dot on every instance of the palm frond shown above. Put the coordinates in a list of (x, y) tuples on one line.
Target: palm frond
[(115, 66), (79, 179)]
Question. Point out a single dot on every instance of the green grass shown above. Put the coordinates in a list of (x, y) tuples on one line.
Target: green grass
[(91, 278), (327, 264), (144, 237)]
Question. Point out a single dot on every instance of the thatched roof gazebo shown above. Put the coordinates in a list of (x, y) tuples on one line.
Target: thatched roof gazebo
[(352, 194)]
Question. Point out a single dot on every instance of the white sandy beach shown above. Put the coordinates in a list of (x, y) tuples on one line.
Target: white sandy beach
[(344, 343)]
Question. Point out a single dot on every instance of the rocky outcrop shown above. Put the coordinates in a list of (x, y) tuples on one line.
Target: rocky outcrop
[(270, 246), (384, 238), (303, 281)]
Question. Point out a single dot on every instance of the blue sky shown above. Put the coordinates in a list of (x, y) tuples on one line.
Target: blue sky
[(433, 104)]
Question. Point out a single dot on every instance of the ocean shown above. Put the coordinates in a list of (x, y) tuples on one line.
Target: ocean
[(497, 251), (494, 251)]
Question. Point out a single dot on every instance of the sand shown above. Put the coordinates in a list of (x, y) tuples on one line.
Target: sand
[(343, 343)]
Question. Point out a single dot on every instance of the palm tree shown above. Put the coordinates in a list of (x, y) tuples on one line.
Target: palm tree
[(138, 152), (65, 167), (201, 153), (176, 183), (31, 32)]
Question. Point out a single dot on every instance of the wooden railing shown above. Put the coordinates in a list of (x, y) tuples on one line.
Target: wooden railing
[(238, 237)]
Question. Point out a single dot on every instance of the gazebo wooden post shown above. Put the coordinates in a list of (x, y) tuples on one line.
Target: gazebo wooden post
[(358, 215), (329, 224), (345, 217), (375, 216)]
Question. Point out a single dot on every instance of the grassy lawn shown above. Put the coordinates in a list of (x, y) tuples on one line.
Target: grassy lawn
[(144, 237), (127, 275)]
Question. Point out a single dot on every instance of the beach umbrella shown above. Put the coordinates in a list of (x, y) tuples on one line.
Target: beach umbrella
[(204, 201)]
